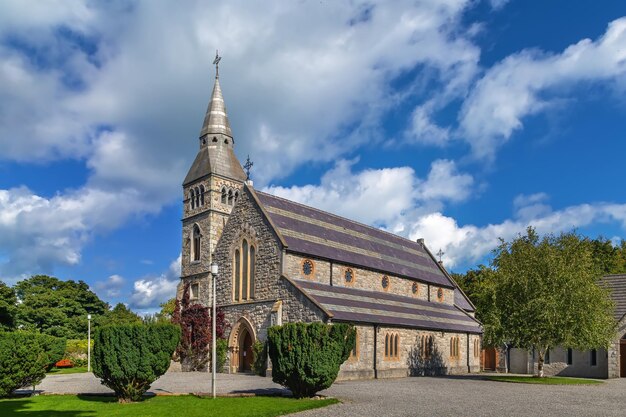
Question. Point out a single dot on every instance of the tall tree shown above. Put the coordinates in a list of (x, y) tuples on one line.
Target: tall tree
[(543, 293), (57, 307), (8, 307), (120, 314)]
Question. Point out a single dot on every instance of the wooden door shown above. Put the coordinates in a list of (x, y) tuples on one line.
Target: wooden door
[(489, 359), (245, 351)]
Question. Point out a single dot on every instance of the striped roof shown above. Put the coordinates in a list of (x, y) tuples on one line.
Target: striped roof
[(316, 233), (362, 306), (617, 285)]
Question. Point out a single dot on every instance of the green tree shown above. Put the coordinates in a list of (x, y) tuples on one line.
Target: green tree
[(167, 311), (306, 356), (8, 307), (120, 314), (55, 307), (23, 361), (543, 293), (128, 358)]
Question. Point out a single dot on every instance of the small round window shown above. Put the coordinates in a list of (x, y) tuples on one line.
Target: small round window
[(307, 267), (415, 288), (385, 282), (440, 294), (349, 275)]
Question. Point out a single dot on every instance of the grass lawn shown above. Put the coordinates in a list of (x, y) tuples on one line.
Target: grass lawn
[(549, 380), (64, 371), (185, 405)]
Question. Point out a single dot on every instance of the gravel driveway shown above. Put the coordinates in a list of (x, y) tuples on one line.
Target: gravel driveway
[(441, 396)]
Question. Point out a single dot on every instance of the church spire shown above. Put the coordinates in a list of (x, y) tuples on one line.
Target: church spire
[(216, 119)]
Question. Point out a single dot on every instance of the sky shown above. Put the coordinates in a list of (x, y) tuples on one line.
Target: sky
[(457, 121)]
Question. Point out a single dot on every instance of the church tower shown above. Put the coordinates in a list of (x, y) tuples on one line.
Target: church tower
[(210, 190)]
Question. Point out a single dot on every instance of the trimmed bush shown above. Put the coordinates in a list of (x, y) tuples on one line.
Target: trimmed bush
[(221, 347), (23, 361), (306, 357), (128, 358), (259, 363), (54, 347)]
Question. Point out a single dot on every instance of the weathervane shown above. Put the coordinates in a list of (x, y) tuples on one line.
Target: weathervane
[(440, 254), (216, 62), (247, 166)]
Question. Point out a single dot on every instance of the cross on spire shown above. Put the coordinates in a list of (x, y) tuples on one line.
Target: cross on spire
[(216, 62), (247, 167), (440, 254)]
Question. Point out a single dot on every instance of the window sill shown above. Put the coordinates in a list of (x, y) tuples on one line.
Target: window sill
[(194, 262)]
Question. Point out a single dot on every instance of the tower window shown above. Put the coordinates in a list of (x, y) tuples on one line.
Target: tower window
[(224, 195), (226, 141), (202, 195), (197, 197), (214, 139), (193, 291), (195, 244), (236, 196), (192, 199), (230, 197), (244, 271)]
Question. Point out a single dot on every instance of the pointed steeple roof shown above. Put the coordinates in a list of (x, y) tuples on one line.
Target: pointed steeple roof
[(216, 119)]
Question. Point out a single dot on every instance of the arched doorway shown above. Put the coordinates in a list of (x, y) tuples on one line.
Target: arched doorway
[(622, 357), (240, 342), (245, 351)]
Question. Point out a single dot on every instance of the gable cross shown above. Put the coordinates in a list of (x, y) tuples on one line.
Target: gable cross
[(247, 167), (440, 254), (216, 62)]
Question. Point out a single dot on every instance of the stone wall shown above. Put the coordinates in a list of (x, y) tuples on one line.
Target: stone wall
[(523, 361), (325, 271), (409, 361)]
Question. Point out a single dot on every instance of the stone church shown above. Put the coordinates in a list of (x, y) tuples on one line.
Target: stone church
[(281, 261)]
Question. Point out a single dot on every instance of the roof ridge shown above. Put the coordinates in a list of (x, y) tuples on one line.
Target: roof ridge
[(340, 217)]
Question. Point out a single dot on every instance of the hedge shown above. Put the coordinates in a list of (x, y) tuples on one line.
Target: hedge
[(54, 347), (306, 357), (128, 358), (23, 361)]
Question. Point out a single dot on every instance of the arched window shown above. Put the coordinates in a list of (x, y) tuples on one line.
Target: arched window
[(197, 197), (427, 346), (236, 275), (236, 196), (202, 195), (391, 346), (454, 347), (244, 271), (230, 197), (195, 244), (192, 199), (224, 196)]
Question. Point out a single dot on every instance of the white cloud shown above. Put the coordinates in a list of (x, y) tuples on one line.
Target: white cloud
[(522, 84), (111, 287), (393, 191), (149, 292)]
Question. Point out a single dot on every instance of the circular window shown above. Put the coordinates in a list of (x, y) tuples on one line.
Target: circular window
[(415, 288), (385, 282), (440, 294), (349, 275), (307, 267)]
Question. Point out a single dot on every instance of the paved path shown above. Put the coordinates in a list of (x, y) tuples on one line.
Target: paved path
[(441, 396)]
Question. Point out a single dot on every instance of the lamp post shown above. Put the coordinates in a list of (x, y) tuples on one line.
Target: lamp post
[(214, 271), (88, 342)]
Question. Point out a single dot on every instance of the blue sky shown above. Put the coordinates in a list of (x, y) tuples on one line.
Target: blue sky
[(456, 121)]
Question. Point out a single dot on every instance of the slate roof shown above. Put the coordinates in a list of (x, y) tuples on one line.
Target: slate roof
[(362, 306), (617, 285), (313, 232), (217, 159), (216, 119)]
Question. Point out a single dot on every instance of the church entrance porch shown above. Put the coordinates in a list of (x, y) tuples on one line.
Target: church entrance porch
[(241, 340)]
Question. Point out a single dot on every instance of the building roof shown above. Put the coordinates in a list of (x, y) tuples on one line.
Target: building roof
[(216, 119), (617, 285), (314, 232), (372, 307), (217, 159)]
